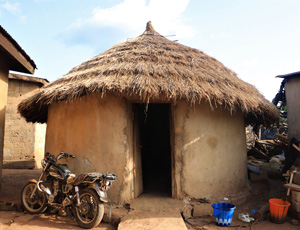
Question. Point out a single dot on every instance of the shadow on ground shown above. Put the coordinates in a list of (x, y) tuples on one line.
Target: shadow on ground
[(149, 211)]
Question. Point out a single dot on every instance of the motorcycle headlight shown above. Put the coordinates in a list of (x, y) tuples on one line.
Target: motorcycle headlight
[(71, 178)]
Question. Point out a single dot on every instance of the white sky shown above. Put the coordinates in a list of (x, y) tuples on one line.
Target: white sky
[(257, 39)]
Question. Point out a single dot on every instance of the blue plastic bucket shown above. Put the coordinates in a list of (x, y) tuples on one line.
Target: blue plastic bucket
[(223, 213)]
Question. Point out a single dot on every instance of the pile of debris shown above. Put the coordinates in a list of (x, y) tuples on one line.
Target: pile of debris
[(272, 154), (293, 191), (266, 150)]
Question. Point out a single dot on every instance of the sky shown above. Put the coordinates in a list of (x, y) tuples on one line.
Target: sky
[(257, 39)]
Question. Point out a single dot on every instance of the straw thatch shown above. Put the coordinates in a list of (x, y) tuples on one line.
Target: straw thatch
[(154, 67)]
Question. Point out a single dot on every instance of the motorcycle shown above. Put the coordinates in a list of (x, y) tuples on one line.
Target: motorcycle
[(81, 197)]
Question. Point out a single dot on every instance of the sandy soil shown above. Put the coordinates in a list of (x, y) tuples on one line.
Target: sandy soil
[(13, 181), (149, 209), (260, 193)]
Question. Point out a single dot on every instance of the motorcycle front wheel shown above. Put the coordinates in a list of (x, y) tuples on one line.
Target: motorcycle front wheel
[(90, 211), (35, 204)]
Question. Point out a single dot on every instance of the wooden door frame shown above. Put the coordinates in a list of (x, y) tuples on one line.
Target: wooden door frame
[(172, 144), (172, 149)]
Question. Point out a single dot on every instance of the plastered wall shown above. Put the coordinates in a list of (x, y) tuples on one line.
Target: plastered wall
[(95, 130), (209, 146), (210, 151)]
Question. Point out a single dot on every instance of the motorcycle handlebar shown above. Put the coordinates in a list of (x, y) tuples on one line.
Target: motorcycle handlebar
[(49, 156), (69, 155), (63, 154)]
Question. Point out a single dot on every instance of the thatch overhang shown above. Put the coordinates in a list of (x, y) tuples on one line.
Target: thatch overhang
[(151, 66)]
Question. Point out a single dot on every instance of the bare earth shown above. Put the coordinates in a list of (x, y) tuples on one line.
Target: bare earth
[(146, 212)]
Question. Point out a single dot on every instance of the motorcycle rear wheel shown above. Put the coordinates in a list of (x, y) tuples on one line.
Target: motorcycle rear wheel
[(35, 205), (91, 210)]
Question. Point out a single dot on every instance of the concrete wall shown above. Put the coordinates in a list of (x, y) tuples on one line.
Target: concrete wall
[(23, 142), (95, 130), (3, 99), (210, 152), (293, 106)]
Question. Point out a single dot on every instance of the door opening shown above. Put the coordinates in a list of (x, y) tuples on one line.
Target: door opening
[(155, 149)]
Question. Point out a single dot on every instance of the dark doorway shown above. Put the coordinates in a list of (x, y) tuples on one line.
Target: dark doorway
[(154, 130)]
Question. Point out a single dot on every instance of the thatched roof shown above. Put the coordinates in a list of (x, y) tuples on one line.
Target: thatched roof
[(151, 66)]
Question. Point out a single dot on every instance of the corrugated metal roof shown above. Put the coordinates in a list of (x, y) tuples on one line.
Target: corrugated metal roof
[(17, 46), (290, 75), (43, 81)]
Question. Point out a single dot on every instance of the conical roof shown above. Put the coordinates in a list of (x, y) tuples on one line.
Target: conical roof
[(153, 67)]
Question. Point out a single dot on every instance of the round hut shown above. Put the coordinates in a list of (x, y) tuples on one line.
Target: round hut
[(166, 118)]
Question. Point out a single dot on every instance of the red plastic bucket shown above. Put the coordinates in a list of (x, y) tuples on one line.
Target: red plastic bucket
[(278, 210)]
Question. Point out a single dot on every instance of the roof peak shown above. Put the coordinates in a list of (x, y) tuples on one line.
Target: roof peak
[(150, 30)]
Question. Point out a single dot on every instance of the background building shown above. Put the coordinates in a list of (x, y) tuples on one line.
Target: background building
[(291, 95), (24, 142), (12, 57)]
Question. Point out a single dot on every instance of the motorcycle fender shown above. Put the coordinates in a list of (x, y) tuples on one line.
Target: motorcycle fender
[(102, 195), (32, 180)]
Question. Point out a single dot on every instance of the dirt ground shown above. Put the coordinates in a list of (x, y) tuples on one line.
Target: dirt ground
[(141, 213), (260, 193), (12, 183)]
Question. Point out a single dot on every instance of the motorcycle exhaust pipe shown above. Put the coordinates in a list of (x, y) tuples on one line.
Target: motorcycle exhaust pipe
[(77, 194), (43, 188)]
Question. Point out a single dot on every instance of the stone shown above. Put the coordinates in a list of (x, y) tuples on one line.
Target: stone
[(113, 215), (6, 206), (261, 177), (296, 179), (293, 213), (200, 222), (296, 196), (187, 211), (296, 205), (201, 209), (295, 222), (239, 199)]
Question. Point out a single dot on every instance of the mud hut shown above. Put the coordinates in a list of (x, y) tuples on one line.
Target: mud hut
[(166, 118)]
